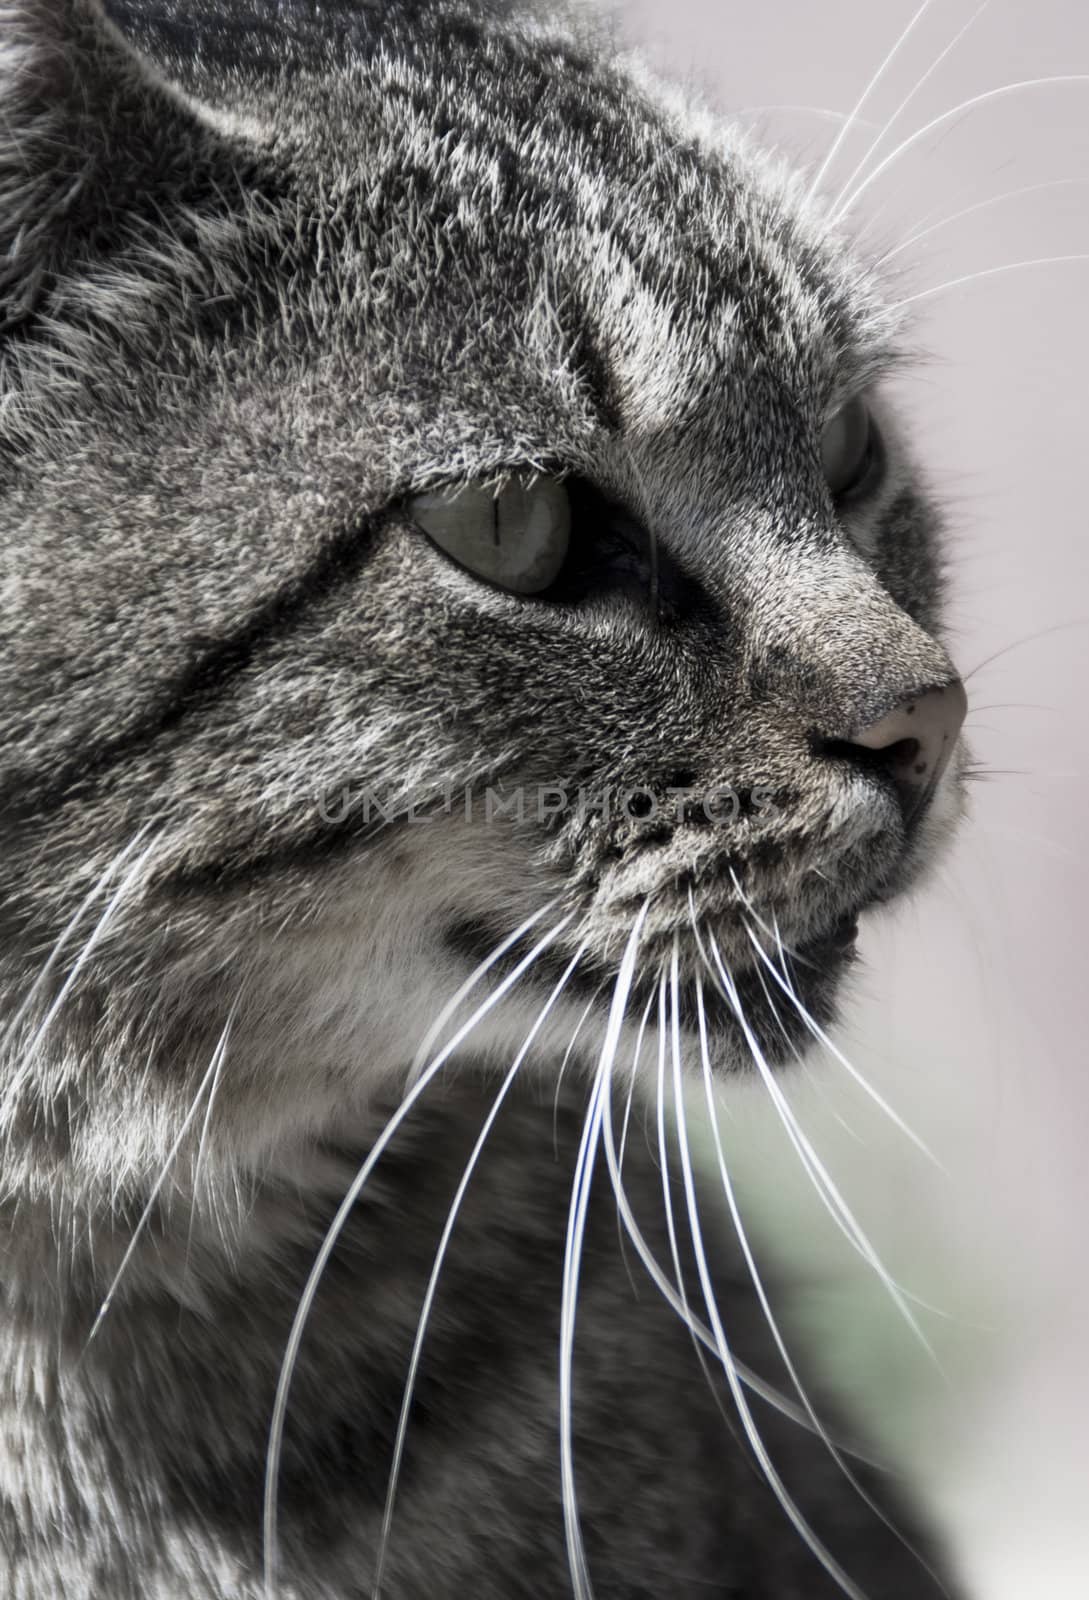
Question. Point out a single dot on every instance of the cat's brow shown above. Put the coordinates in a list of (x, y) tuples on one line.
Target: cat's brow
[(590, 360), (864, 364)]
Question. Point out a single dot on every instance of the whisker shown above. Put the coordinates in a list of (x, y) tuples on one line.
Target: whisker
[(849, 121), (765, 1304), (636, 1054), (968, 211), (948, 116), (210, 1077), (568, 1053), (784, 950), (815, 1169), (100, 928), (336, 1227), (1013, 705), (986, 272), (803, 1064), (748, 1422), (1029, 638), (202, 1145), (795, 1052), (829, 1044), (906, 101), (978, 771), (66, 933), (663, 1160), (628, 1100), (758, 919), (572, 1259), (822, 1038), (576, 1227), (808, 111), (667, 1201), (752, 1381), (448, 1010), (440, 1257)]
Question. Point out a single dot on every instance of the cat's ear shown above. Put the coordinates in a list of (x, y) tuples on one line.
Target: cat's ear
[(90, 139)]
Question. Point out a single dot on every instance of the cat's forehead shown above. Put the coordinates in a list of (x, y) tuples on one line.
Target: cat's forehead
[(502, 212), (432, 248)]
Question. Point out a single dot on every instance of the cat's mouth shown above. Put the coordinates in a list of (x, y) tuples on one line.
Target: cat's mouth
[(771, 1005)]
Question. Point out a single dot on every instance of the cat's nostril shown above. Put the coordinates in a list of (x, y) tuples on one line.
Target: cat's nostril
[(912, 743), (905, 753)]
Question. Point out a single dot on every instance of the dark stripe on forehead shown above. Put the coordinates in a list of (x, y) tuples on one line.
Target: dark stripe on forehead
[(535, 124), (589, 360)]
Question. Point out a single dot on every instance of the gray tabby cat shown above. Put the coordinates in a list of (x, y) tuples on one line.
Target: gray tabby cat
[(403, 401)]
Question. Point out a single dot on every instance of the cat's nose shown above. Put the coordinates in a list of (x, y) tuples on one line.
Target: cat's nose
[(912, 743)]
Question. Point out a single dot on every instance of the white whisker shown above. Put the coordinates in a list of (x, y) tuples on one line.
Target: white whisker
[(803, 1064), (852, 116), (568, 1053), (576, 1227), (752, 1381), (829, 1044), (336, 1227), (424, 1048), (636, 1054), (924, 232), (906, 101), (440, 1257), (748, 1422), (814, 1168), (209, 1078), (663, 1158), (807, 111), (67, 931), (1019, 644), (667, 1202), (772, 933), (987, 272), (628, 1101), (97, 933), (761, 1293), (198, 1165), (935, 123), (799, 1058), (572, 1260)]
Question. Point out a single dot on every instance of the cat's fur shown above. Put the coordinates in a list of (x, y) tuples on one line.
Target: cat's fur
[(260, 283)]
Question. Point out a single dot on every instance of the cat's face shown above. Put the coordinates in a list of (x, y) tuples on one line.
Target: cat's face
[(234, 366)]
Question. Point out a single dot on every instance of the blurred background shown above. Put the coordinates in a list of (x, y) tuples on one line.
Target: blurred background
[(970, 1014)]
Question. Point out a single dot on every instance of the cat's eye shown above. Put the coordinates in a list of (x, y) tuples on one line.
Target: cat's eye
[(516, 537), (850, 449)]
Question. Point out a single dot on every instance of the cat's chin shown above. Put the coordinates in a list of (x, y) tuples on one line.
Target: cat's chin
[(770, 1013)]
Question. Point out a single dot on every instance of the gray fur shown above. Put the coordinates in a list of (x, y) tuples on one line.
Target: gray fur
[(260, 282)]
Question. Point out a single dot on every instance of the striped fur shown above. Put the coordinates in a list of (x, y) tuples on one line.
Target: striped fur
[(267, 271)]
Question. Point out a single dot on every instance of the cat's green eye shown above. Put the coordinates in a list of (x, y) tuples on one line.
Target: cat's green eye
[(515, 537), (850, 451)]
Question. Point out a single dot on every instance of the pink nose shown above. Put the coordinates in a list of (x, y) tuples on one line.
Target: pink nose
[(915, 739)]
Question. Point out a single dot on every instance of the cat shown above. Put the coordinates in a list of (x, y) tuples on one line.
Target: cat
[(473, 648)]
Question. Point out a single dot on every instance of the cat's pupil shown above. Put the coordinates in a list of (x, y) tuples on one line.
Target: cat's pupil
[(515, 538)]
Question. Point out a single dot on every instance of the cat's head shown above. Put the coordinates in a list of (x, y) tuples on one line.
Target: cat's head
[(422, 448)]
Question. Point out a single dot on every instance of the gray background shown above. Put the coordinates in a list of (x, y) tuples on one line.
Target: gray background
[(972, 1012)]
